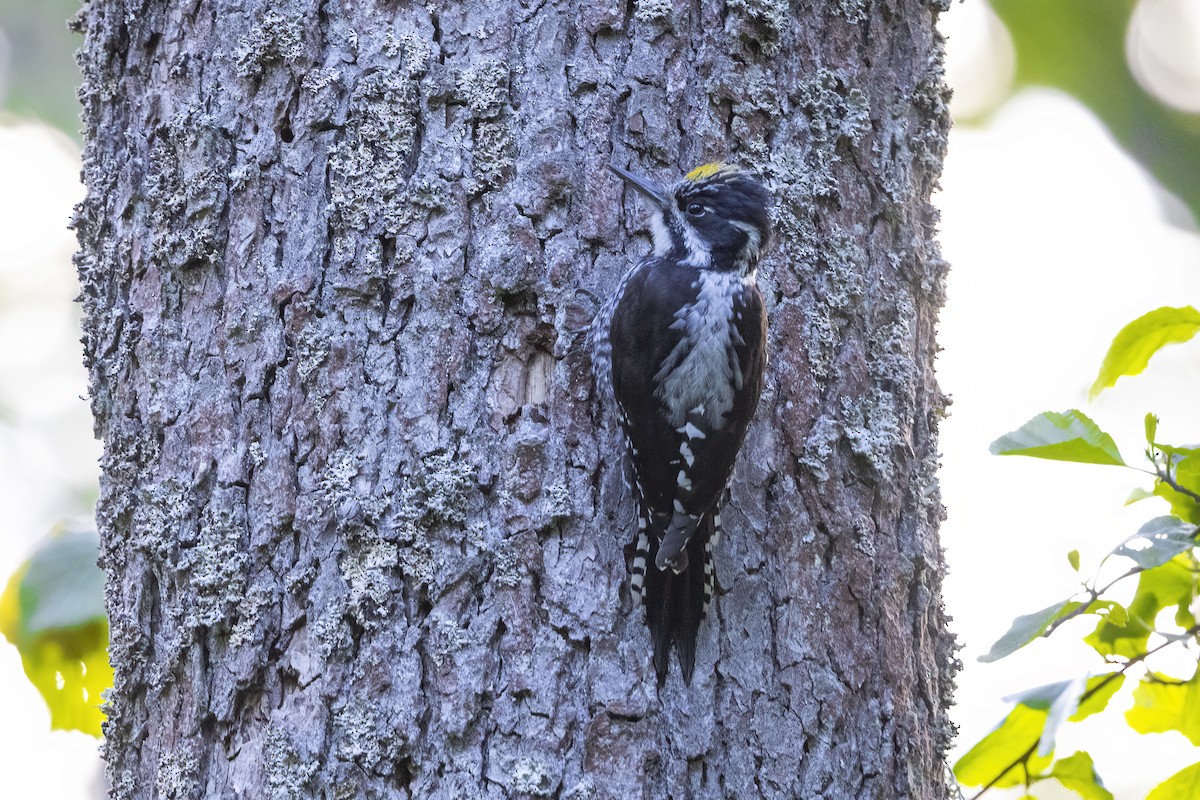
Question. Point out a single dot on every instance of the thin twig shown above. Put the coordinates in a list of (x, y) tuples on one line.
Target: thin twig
[(1165, 476), (1095, 594)]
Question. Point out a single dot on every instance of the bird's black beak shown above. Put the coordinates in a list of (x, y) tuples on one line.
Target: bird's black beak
[(654, 191)]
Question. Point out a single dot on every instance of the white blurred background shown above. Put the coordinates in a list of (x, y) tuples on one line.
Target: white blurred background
[(1056, 239)]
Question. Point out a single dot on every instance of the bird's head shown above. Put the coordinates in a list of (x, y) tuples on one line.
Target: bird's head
[(715, 217)]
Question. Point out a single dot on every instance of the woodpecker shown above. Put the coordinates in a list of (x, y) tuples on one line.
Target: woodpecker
[(681, 346)]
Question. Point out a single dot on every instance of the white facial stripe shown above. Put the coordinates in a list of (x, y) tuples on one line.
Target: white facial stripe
[(698, 254), (658, 230)]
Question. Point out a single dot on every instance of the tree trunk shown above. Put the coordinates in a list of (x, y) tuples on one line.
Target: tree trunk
[(365, 536)]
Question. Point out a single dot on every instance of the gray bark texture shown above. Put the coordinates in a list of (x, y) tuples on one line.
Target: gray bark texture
[(364, 527)]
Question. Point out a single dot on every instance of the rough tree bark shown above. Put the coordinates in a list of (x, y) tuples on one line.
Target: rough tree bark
[(364, 537)]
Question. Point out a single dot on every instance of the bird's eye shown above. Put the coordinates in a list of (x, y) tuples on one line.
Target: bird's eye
[(695, 210)]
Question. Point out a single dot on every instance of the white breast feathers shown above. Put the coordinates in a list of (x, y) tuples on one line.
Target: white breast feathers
[(702, 371)]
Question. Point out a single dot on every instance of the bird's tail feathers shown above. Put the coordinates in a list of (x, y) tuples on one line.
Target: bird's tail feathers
[(676, 604)]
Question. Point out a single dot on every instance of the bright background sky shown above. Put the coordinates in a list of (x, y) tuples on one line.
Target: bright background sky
[(1056, 240)]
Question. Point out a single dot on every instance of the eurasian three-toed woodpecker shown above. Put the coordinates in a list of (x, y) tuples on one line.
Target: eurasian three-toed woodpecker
[(682, 343)]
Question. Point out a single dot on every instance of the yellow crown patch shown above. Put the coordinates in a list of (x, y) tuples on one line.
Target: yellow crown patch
[(705, 171)]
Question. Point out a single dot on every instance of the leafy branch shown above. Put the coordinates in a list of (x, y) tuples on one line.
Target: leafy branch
[(1020, 751), (1088, 694), (1165, 476)]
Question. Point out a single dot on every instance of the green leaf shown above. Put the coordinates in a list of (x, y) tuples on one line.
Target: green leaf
[(1172, 584), (1181, 505), (52, 611), (992, 756), (1061, 708), (1073, 559), (1061, 701), (1187, 474), (1159, 540), (1069, 436), (1103, 688), (1170, 449), (62, 586), (1133, 346), (1164, 704), (1077, 773), (1137, 495), (1044, 696), (1111, 610), (1027, 628), (1151, 428), (1183, 785)]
